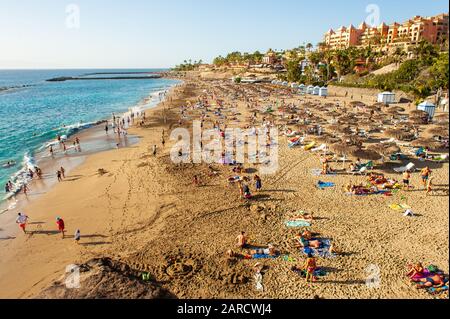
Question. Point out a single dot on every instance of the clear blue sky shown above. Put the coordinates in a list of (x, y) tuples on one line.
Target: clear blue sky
[(161, 33)]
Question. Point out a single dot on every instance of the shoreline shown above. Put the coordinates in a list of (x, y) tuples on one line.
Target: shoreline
[(91, 132), (38, 210)]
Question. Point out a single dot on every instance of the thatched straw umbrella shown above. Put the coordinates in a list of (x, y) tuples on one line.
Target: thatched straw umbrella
[(439, 131), (441, 118), (426, 142), (340, 129), (353, 139), (395, 133), (357, 103), (366, 154), (384, 149), (343, 149), (418, 113)]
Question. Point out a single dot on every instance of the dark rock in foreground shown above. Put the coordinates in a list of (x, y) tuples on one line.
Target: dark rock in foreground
[(104, 278)]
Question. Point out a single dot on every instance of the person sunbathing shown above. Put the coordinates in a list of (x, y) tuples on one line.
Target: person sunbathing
[(416, 271), (305, 216), (270, 250), (241, 240), (435, 280), (305, 242)]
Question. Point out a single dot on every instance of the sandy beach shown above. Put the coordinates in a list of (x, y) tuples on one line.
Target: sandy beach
[(145, 214)]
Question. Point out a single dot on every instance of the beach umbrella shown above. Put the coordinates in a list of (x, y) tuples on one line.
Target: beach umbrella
[(353, 139), (395, 133), (439, 131), (343, 149), (357, 103), (385, 149), (341, 129), (441, 118), (324, 139), (395, 110), (418, 113), (366, 154), (426, 142)]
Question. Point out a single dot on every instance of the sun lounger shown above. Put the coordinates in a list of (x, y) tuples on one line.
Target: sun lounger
[(362, 171), (403, 169), (391, 140), (320, 148), (441, 158)]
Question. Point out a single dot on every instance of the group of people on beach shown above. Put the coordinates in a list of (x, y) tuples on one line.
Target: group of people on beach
[(23, 219)]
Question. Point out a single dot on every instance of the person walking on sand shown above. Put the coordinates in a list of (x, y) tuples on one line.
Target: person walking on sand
[(25, 189), (61, 226), (58, 175), (429, 185), (63, 172), (310, 267), (258, 183), (163, 142), (154, 150), (425, 175), (106, 128), (22, 220), (77, 236), (51, 151)]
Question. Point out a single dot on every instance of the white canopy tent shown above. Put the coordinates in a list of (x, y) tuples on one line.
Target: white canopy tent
[(386, 97), (428, 107)]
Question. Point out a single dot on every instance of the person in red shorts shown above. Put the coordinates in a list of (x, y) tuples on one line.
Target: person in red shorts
[(22, 221), (61, 226)]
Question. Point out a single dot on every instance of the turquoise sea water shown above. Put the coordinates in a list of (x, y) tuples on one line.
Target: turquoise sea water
[(33, 111)]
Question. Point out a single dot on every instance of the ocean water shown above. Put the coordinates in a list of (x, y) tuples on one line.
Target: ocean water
[(33, 111)]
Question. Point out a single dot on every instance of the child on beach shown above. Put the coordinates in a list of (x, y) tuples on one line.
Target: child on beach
[(258, 183), (406, 178), (310, 267), (22, 220), (77, 236), (196, 180), (61, 226)]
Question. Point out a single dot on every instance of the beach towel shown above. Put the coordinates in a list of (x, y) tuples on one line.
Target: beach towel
[(399, 207), (319, 272), (323, 185), (297, 223), (264, 256), (289, 258), (323, 251)]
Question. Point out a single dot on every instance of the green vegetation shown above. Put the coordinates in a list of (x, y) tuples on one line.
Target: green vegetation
[(188, 65), (238, 57), (420, 76)]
